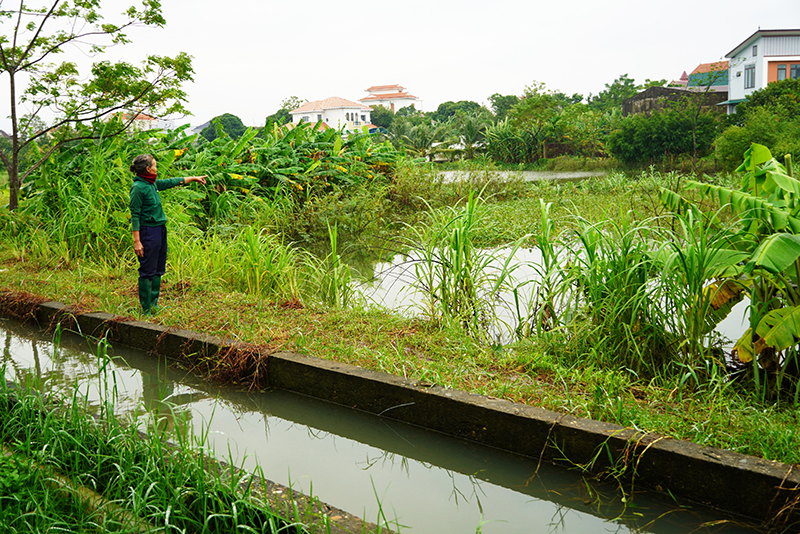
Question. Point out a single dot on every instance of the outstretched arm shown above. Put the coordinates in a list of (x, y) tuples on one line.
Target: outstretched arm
[(190, 179)]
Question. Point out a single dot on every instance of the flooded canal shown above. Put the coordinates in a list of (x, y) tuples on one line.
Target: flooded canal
[(423, 481)]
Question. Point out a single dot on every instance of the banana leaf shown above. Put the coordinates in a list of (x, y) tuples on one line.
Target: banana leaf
[(780, 328), (776, 253)]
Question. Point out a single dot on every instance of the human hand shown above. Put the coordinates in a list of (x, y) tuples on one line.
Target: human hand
[(138, 248), (201, 179)]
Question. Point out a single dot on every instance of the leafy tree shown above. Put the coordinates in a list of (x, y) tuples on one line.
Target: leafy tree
[(382, 117), (762, 126), (781, 98), (408, 111), (565, 100), (280, 117), (283, 115), (770, 117), (615, 93), (539, 113), (35, 34), (648, 83), (291, 103), (502, 104), (679, 129), (230, 124), (449, 109)]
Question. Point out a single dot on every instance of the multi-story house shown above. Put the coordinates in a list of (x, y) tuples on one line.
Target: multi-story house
[(710, 76), (334, 112), (764, 57), (392, 97)]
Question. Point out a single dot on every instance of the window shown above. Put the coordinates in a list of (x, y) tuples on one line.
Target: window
[(795, 72), (319, 117), (304, 118), (363, 118), (755, 50), (781, 72), (749, 76)]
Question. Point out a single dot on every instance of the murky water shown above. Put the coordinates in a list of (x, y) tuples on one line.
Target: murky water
[(528, 176), (423, 480)]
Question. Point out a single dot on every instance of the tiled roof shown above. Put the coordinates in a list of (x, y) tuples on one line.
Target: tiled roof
[(710, 67), (384, 88), (139, 117), (388, 96), (332, 102)]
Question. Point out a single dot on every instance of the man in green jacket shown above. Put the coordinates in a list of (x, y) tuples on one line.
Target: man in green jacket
[(149, 225)]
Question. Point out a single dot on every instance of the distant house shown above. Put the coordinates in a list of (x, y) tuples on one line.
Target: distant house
[(198, 129), (334, 112), (764, 57), (392, 97), (713, 76), (682, 82), (141, 122)]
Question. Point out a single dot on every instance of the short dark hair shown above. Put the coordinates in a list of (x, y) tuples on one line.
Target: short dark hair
[(141, 163)]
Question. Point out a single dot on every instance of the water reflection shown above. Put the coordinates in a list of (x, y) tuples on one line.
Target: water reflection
[(356, 461)]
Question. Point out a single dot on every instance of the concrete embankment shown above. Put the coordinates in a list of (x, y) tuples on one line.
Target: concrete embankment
[(756, 488)]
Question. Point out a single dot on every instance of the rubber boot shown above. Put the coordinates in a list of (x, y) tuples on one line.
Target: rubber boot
[(145, 299), (155, 289)]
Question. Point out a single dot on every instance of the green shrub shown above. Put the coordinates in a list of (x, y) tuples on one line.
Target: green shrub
[(640, 140), (764, 126)]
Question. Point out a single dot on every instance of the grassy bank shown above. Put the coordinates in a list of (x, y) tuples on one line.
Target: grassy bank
[(567, 370)]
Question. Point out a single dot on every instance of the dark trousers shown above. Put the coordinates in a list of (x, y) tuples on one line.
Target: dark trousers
[(154, 241)]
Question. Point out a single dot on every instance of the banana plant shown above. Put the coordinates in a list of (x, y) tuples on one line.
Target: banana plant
[(768, 210)]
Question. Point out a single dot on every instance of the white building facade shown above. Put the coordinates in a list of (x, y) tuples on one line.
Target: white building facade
[(764, 57), (334, 112), (392, 97)]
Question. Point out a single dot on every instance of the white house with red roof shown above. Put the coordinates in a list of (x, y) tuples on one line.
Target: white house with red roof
[(141, 122), (764, 57), (392, 97), (334, 112)]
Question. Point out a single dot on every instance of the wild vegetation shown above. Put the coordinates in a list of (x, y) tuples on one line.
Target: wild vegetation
[(617, 323), (619, 327)]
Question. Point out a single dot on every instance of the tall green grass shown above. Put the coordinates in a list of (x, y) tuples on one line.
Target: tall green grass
[(460, 281), (112, 479)]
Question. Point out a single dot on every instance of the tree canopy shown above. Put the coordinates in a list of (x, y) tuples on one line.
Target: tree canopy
[(34, 34), (780, 97), (229, 123), (282, 116), (502, 104), (449, 109), (382, 117)]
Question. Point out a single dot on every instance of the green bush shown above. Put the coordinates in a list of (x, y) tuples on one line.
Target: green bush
[(764, 126), (681, 129)]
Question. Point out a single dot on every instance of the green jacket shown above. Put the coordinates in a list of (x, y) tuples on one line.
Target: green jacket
[(145, 203)]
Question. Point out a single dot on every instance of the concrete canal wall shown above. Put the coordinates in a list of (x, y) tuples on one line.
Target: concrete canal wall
[(756, 488)]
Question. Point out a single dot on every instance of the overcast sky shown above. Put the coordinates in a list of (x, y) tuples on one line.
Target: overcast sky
[(251, 54)]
